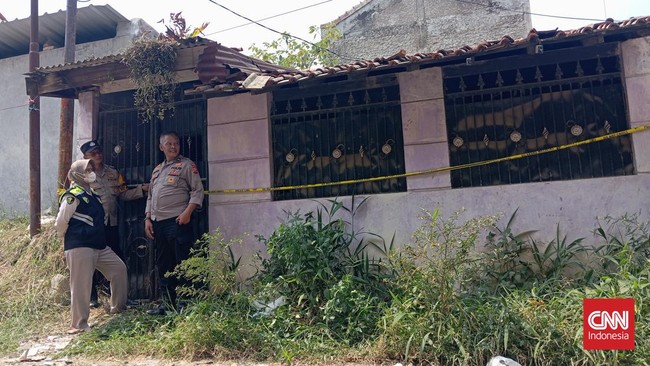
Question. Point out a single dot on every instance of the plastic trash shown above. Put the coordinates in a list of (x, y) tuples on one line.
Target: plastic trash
[(502, 361)]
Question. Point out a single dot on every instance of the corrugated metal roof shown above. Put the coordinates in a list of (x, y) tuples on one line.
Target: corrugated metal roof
[(187, 43), (93, 23)]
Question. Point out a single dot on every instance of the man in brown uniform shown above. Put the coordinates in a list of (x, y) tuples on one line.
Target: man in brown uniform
[(109, 186), (175, 192)]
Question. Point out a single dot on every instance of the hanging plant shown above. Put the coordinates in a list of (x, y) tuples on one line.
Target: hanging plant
[(152, 63)]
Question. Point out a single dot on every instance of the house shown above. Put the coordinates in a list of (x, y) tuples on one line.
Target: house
[(380, 27), (100, 31), (269, 140)]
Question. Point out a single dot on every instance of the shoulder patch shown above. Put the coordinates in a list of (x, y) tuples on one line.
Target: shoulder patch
[(76, 190), (195, 170), (70, 199)]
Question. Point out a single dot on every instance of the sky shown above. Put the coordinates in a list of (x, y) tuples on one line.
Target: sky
[(233, 31)]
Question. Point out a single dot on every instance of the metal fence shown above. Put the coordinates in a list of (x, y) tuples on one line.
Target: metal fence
[(132, 147), (499, 113), (340, 134)]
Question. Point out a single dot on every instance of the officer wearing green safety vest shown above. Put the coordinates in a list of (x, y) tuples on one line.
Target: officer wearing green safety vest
[(80, 224)]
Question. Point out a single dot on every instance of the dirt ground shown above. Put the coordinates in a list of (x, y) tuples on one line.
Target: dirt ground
[(43, 352)]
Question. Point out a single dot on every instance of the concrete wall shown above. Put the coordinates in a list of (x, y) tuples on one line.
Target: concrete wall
[(636, 68), (240, 158), (14, 120), (383, 27)]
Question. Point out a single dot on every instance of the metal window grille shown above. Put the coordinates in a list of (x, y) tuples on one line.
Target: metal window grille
[(337, 136), (132, 147), (497, 114)]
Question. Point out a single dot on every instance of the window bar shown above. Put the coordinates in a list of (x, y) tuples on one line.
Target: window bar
[(557, 156), (506, 164), (479, 123), (539, 135), (598, 146)]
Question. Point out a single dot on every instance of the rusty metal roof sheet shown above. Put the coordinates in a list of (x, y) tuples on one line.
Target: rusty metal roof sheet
[(94, 22), (90, 62)]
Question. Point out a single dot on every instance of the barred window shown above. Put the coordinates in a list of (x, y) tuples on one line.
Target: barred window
[(496, 114), (352, 132)]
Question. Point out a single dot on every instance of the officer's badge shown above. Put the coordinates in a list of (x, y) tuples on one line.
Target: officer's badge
[(70, 200), (195, 170), (86, 199)]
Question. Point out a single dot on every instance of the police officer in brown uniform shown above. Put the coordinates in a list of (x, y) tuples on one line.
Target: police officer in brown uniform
[(110, 186), (175, 192)]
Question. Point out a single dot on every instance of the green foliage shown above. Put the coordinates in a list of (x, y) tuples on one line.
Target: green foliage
[(26, 267), (318, 263), (424, 304), (538, 321), (519, 261), (211, 269), (626, 243), (426, 318), (350, 313), (179, 29), (288, 52), (152, 64)]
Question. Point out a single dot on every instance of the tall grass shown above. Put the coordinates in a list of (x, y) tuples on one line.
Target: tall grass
[(462, 292), (27, 306)]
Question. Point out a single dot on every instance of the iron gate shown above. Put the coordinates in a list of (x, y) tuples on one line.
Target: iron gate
[(131, 146)]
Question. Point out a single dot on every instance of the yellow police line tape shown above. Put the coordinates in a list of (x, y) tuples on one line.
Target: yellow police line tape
[(435, 170)]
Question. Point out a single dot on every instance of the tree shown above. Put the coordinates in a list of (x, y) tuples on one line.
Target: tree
[(287, 51)]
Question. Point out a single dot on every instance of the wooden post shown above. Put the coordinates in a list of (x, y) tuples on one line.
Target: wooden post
[(34, 131), (66, 125)]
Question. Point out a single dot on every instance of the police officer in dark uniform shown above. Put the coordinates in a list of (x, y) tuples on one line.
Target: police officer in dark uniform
[(110, 186), (175, 192)]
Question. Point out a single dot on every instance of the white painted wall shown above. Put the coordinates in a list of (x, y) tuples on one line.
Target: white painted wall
[(14, 120)]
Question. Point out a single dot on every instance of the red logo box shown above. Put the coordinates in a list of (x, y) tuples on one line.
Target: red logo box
[(608, 324)]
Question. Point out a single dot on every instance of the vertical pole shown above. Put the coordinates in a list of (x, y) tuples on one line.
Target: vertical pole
[(66, 118), (34, 131)]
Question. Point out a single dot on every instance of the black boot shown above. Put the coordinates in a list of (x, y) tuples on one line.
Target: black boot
[(94, 303)]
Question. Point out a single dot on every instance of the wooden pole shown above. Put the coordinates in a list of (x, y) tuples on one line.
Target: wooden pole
[(34, 131), (66, 119)]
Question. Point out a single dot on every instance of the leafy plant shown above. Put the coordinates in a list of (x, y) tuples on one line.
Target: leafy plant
[(211, 269), (520, 261), (289, 52), (504, 264), (179, 29), (152, 63), (626, 243)]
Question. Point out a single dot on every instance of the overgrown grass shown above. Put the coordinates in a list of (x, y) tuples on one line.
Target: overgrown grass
[(27, 306), (320, 296)]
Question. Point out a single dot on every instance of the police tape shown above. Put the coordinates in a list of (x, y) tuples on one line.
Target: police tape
[(435, 170)]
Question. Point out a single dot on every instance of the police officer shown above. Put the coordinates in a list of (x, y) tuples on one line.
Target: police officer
[(110, 186), (80, 223), (176, 191)]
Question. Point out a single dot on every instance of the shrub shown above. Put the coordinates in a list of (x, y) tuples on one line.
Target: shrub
[(211, 269)]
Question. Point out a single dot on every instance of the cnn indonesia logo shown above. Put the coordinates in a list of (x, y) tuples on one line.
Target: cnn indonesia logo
[(608, 324)]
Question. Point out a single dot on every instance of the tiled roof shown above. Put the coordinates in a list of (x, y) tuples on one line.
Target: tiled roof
[(266, 80)]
